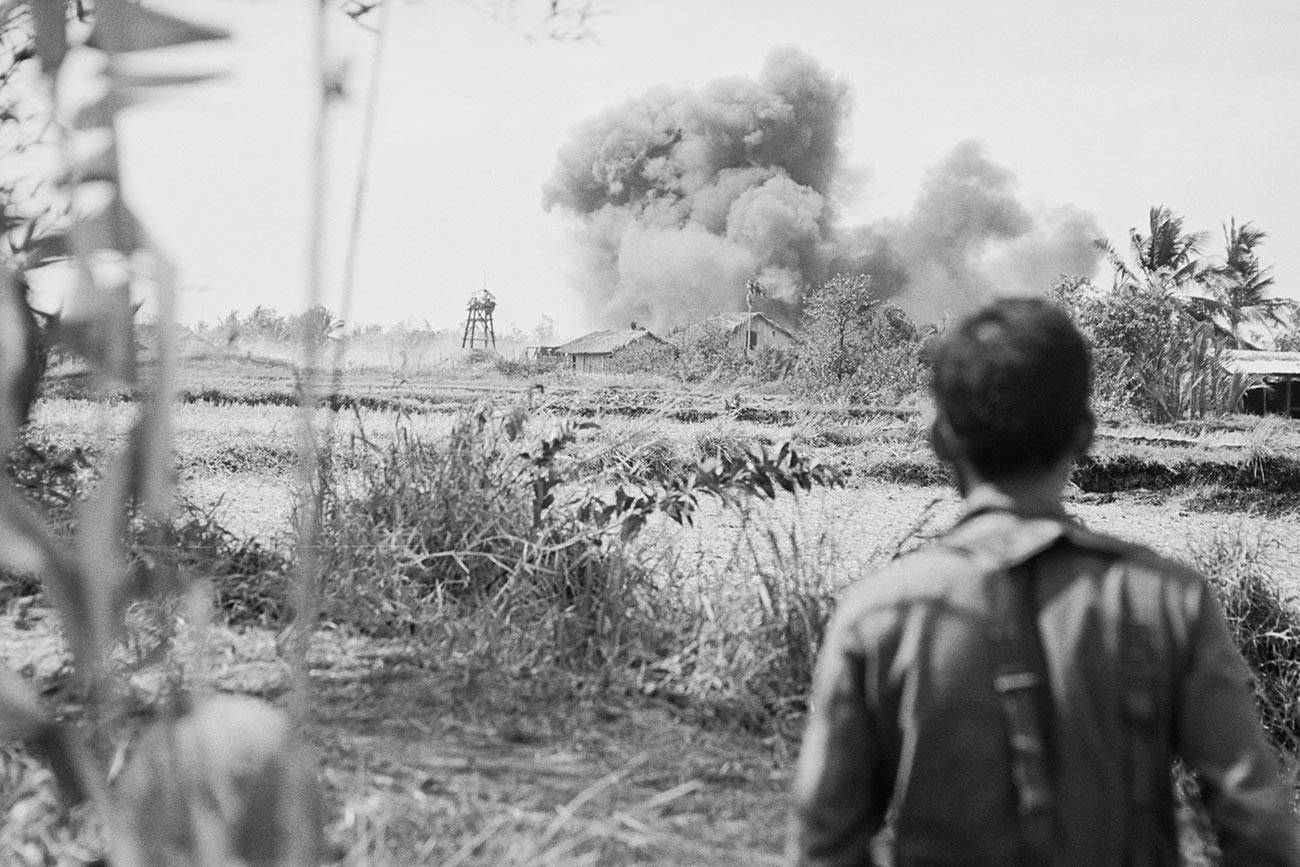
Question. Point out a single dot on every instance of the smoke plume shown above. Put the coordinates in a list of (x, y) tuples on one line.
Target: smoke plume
[(968, 237), (683, 195)]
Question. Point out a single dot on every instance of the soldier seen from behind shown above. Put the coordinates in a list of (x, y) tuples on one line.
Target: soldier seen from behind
[(1016, 693)]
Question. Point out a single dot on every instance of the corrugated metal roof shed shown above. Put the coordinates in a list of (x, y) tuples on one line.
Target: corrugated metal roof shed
[(602, 342), (1259, 363)]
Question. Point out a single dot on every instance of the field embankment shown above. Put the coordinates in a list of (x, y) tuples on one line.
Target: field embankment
[(1231, 464)]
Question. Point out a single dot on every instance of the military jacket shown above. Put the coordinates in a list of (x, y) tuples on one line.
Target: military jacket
[(905, 720)]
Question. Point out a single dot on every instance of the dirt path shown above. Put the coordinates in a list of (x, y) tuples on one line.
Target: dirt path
[(433, 763)]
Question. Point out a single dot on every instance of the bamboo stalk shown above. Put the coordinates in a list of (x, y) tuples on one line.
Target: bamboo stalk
[(307, 589), (363, 164)]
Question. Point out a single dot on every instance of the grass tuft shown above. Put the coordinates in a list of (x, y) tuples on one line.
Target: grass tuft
[(1264, 624)]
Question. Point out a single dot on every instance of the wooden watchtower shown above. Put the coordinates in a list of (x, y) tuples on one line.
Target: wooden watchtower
[(478, 321)]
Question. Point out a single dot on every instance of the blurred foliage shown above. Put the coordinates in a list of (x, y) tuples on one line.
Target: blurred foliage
[(263, 323)]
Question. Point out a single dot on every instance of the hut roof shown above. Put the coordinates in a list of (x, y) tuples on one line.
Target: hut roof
[(731, 321), (1260, 363), (604, 342)]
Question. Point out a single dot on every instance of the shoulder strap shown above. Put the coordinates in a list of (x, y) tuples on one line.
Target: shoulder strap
[(1021, 682), (1140, 685), (1024, 692)]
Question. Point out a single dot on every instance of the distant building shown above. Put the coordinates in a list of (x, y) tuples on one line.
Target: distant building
[(1276, 374), (594, 353), (754, 331)]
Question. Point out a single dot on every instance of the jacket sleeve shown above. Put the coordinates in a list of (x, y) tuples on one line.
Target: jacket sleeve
[(1220, 736), (841, 788)]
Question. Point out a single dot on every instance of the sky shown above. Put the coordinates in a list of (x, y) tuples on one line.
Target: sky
[(1107, 107)]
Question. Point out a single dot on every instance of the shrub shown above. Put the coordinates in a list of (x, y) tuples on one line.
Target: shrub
[(889, 373), (704, 352), (770, 364), (422, 520), (858, 347), (1264, 625), (502, 519), (746, 624), (645, 356), (513, 367), (1150, 352), (637, 458), (54, 478), (249, 581), (1268, 440), (713, 440)]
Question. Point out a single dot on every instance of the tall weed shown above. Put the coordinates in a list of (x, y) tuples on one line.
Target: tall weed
[(745, 627), (1265, 626), (509, 521)]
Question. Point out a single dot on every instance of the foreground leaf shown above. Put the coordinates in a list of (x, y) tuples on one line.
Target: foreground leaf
[(19, 369), (121, 26)]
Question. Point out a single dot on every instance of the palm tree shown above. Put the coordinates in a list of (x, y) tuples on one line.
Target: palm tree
[(1243, 283), (1165, 261), (1249, 282), (1239, 287), (1181, 377)]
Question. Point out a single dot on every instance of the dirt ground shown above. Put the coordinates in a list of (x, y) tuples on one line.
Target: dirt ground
[(849, 531), (433, 761)]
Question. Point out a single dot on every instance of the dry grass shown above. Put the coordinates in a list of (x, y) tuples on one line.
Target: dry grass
[(725, 639), (1264, 622)]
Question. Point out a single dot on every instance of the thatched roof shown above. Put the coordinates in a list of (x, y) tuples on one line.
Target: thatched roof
[(1259, 363), (730, 322), (605, 342)]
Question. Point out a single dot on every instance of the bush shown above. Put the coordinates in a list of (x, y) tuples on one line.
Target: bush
[(857, 347), (1149, 352), (54, 478), (751, 658), (770, 364), (645, 356), (419, 522), (704, 352), (250, 582), (513, 367), (1264, 626), (504, 521)]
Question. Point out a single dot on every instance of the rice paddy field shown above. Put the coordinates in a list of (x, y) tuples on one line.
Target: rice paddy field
[(453, 751)]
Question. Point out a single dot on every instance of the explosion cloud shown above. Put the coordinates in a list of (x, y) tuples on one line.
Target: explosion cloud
[(968, 238), (682, 195)]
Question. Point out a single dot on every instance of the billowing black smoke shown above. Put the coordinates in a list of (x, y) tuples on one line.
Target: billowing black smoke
[(684, 195)]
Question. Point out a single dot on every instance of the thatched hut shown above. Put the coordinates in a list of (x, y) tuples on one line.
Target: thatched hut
[(751, 331), (595, 352)]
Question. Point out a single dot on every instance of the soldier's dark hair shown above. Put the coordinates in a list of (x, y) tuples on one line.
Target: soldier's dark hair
[(1012, 381)]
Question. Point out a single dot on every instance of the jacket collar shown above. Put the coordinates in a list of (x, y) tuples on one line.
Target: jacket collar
[(1002, 533), (987, 499)]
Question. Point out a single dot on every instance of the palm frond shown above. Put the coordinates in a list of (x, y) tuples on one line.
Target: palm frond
[(1124, 276)]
